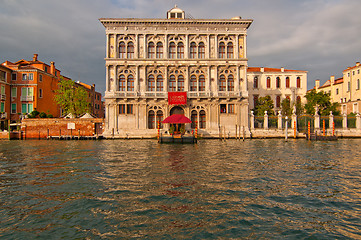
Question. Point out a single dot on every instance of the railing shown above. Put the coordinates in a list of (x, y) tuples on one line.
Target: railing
[(199, 94), (316, 122), (155, 94), (2, 96), (3, 115), (27, 98)]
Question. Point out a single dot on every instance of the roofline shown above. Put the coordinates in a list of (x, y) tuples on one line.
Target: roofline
[(141, 21)]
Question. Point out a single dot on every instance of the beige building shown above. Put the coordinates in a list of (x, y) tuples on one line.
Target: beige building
[(278, 83), (159, 67), (345, 90), (332, 86)]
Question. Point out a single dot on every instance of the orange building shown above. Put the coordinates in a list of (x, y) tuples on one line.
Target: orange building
[(33, 84), (5, 76), (94, 99)]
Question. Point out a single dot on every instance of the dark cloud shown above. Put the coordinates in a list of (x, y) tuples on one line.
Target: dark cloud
[(319, 36)]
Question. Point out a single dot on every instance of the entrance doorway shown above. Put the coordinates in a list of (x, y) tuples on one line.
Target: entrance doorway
[(177, 127)]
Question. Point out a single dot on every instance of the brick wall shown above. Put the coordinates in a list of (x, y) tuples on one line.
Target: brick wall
[(42, 128)]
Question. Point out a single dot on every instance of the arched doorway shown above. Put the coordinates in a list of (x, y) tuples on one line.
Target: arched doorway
[(177, 110), (177, 128)]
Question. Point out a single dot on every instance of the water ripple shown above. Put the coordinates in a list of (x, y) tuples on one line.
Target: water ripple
[(257, 189)]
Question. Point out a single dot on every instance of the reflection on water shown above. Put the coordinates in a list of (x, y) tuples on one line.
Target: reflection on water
[(257, 189)]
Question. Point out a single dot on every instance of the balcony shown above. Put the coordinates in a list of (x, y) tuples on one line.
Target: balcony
[(199, 94), (2, 97), (155, 94), (27, 98), (3, 115)]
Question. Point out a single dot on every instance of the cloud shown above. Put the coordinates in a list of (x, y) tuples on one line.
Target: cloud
[(320, 36)]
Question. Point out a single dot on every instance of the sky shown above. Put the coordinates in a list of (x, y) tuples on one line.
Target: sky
[(319, 36)]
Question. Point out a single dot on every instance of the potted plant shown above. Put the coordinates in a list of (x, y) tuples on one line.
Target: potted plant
[(171, 129), (182, 130)]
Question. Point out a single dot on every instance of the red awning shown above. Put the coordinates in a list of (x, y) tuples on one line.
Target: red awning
[(177, 118)]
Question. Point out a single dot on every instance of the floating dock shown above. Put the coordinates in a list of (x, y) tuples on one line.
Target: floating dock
[(178, 139)]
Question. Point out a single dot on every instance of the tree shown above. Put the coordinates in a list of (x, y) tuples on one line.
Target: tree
[(71, 98), (323, 101), (286, 107), (264, 104)]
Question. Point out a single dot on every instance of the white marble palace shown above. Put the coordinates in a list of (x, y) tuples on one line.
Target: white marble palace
[(159, 67)]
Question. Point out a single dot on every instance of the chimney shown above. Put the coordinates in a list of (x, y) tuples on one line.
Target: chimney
[(52, 68), (317, 83), (282, 69), (332, 80), (262, 69), (357, 64), (35, 58)]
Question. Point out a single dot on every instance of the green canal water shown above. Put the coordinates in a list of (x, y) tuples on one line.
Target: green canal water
[(139, 189)]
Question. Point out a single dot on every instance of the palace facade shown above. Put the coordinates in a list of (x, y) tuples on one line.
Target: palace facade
[(159, 67)]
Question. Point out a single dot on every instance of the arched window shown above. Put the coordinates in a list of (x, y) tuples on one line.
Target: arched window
[(159, 50), (287, 82), (193, 50), (193, 83), (298, 82), (201, 50), (172, 50), (159, 83), (278, 101), (202, 119), (230, 50), (255, 82), (194, 119), (180, 83), (122, 50), (130, 85), (221, 50), (151, 50), (230, 83), (122, 83), (151, 83), (151, 119), (202, 83), (278, 82), (180, 50), (268, 82), (159, 119), (172, 83), (222, 83), (130, 50)]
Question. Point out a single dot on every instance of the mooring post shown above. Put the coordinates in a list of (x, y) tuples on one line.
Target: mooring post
[(286, 129)]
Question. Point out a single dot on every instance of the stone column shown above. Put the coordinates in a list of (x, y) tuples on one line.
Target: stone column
[(317, 119), (279, 120), (251, 120), (344, 121), (265, 121), (358, 121), (330, 121)]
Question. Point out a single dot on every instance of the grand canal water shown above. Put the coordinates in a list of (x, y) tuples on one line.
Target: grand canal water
[(114, 189)]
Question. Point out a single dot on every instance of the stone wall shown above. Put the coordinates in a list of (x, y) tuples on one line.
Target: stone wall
[(44, 128)]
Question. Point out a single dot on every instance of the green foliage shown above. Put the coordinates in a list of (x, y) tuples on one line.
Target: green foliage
[(50, 116), (33, 114), (286, 109), (264, 104), (42, 115), (171, 129), (70, 98), (323, 101)]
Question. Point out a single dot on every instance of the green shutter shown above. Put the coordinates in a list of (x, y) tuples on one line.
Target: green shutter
[(30, 107), (2, 107), (23, 108), (13, 108)]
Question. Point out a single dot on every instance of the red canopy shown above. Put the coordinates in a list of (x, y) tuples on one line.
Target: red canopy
[(177, 118)]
